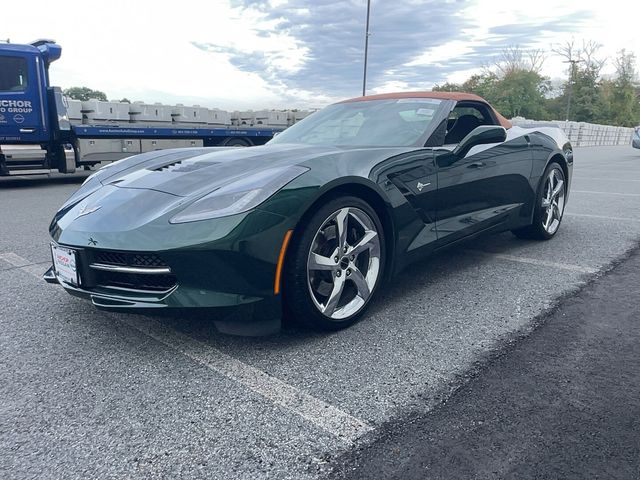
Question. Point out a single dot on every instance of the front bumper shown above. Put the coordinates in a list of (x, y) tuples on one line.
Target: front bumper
[(227, 268)]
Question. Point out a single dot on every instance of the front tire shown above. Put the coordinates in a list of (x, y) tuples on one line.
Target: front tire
[(335, 264), (549, 206)]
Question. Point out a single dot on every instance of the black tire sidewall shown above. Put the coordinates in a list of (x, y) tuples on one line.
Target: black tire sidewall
[(295, 289), (539, 212)]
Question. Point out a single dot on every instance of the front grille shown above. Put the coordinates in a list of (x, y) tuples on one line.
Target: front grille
[(128, 259), (135, 281), (154, 274)]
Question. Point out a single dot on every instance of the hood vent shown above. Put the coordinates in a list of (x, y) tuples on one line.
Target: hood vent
[(181, 167)]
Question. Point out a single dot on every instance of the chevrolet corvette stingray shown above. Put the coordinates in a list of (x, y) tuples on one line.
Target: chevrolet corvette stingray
[(315, 221)]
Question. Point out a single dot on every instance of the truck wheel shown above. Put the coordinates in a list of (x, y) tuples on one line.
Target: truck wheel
[(59, 158), (237, 142)]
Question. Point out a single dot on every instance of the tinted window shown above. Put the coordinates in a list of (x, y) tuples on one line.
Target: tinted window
[(13, 74), (380, 123)]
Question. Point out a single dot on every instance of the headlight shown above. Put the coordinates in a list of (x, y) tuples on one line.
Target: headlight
[(239, 196)]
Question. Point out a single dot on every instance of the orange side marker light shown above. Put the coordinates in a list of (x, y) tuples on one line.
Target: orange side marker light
[(283, 251)]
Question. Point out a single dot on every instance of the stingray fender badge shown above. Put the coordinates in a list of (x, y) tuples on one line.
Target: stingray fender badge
[(420, 186)]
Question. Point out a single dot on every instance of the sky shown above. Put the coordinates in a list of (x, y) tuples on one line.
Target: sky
[(239, 54)]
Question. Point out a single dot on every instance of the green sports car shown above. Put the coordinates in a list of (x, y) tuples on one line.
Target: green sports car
[(315, 221)]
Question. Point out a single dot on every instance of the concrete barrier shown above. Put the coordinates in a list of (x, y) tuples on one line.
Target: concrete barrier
[(583, 134), (96, 112)]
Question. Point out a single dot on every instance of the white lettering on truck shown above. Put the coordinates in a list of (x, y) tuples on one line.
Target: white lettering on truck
[(15, 106)]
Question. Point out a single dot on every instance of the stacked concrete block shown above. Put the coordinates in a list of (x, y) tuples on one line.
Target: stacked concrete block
[(74, 110), (152, 114), (215, 116), (244, 118), (583, 134), (98, 111), (189, 115), (296, 115)]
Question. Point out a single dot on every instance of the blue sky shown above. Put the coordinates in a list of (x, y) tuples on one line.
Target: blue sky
[(300, 53)]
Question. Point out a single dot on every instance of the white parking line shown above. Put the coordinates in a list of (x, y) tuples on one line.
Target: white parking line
[(576, 177), (604, 217), (537, 261), (607, 193), (36, 269), (324, 415)]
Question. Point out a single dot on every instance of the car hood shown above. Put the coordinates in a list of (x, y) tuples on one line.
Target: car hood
[(158, 183), (188, 172), (192, 171)]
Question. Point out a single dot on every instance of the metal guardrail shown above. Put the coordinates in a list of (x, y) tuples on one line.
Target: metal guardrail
[(583, 134)]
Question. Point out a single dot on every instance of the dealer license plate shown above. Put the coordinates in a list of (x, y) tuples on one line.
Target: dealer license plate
[(64, 263)]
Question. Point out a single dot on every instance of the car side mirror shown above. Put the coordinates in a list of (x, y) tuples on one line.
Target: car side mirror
[(481, 135)]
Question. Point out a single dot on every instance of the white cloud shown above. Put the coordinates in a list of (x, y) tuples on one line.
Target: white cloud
[(441, 53), (144, 50), (390, 86)]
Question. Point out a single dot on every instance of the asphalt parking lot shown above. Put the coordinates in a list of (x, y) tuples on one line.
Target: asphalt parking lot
[(87, 393)]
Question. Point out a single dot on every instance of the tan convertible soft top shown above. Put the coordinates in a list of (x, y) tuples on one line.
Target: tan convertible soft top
[(457, 96)]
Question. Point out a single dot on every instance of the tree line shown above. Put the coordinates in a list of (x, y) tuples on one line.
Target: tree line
[(515, 86)]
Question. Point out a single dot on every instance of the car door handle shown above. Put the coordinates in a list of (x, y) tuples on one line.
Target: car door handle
[(27, 130), (477, 165)]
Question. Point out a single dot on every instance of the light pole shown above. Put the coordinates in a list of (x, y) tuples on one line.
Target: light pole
[(366, 50)]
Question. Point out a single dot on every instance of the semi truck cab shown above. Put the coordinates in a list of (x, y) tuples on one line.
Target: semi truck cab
[(24, 90)]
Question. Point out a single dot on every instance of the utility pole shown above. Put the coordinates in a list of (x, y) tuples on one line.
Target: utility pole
[(572, 68), (366, 50)]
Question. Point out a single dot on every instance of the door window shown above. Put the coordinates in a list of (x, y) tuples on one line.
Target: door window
[(13, 74), (463, 119)]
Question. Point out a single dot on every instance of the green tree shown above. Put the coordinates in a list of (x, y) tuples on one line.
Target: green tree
[(624, 107), (589, 101), (84, 93), (448, 87), (513, 86), (584, 96)]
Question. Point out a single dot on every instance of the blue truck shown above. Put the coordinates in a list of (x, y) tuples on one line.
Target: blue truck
[(34, 113)]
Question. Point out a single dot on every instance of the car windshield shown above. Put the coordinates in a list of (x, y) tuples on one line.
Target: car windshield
[(377, 123)]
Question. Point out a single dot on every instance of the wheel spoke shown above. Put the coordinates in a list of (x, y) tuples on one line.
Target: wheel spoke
[(342, 220), (549, 219), (365, 243), (360, 282), (320, 262), (334, 296), (557, 189)]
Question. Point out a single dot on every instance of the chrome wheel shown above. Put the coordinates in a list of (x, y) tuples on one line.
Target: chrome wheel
[(344, 263), (553, 201)]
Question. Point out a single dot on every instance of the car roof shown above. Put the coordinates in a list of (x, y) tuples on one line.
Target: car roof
[(456, 96)]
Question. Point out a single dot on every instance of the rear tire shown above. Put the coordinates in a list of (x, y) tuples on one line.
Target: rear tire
[(549, 206), (335, 264)]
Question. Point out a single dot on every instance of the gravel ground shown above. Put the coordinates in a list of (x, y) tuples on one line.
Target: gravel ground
[(562, 403)]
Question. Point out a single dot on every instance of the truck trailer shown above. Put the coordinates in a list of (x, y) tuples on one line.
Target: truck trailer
[(47, 130)]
